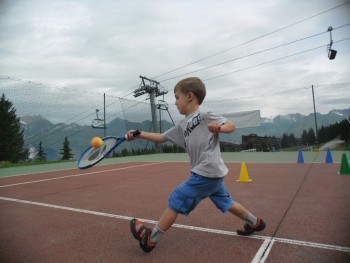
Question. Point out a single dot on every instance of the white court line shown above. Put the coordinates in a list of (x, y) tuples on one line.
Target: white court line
[(260, 252), (72, 168), (76, 175), (263, 251)]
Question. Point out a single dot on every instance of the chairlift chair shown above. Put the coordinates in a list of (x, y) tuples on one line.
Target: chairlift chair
[(97, 123)]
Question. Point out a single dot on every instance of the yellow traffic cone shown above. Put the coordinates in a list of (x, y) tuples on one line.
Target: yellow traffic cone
[(244, 176)]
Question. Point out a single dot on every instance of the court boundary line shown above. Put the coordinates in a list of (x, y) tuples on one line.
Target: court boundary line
[(261, 254), (80, 174), (71, 169), (263, 251), (147, 161)]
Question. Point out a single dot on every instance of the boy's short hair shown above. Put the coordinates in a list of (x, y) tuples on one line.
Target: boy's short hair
[(194, 85)]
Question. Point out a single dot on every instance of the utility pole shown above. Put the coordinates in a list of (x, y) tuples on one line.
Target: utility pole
[(104, 115), (313, 98), (154, 90)]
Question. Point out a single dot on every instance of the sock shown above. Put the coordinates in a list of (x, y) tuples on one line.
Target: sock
[(251, 219), (156, 234)]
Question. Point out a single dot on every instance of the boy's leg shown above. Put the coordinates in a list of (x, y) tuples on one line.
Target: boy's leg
[(238, 210), (253, 223), (167, 219), (183, 200), (224, 202)]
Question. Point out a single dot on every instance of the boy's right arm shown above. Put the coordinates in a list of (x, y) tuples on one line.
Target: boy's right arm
[(150, 136)]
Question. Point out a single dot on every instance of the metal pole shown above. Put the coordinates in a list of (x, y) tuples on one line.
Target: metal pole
[(154, 116), (313, 98), (154, 91), (160, 120), (104, 114)]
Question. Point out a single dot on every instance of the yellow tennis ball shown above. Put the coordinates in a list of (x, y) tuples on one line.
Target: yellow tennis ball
[(96, 142)]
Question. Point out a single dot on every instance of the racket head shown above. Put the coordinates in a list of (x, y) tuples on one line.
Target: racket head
[(92, 156)]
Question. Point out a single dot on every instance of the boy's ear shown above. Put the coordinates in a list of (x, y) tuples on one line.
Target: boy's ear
[(190, 96)]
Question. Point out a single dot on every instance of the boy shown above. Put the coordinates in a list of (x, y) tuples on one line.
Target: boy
[(198, 133)]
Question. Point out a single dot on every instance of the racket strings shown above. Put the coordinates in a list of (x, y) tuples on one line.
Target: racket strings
[(93, 155)]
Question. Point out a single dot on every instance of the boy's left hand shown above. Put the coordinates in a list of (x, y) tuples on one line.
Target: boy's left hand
[(214, 127)]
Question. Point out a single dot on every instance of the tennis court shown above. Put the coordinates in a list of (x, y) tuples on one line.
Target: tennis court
[(71, 215)]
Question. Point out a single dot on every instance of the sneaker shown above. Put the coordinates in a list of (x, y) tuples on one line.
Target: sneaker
[(142, 234), (249, 229)]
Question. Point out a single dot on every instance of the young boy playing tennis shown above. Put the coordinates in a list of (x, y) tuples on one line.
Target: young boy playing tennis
[(198, 133)]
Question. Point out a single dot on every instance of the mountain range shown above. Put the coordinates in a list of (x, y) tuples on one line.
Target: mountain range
[(290, 124), (37, 128)]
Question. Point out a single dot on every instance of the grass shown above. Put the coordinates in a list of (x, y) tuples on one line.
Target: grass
[(5, 164), (343, 147)]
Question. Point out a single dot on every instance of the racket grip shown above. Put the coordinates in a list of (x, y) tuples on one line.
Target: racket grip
[(136, 133)]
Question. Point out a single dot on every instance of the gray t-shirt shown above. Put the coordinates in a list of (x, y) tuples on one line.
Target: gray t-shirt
[(203, 147)]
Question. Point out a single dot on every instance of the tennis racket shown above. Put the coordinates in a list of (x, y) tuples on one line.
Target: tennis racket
[(92, 156)]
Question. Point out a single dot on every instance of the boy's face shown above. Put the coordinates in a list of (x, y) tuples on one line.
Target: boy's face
[(181, 101)]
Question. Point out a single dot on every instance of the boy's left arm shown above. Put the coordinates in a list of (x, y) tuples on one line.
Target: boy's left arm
[(227, 127)]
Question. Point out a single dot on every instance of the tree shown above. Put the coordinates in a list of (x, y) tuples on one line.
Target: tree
[(284, 141), (11, 133), (304, 139), (288, 140), (345, 131), (66, 151), (311, 137), (322, 134), (41, 152)]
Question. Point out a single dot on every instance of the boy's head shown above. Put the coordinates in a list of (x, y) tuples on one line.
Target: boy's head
[(194, 85)]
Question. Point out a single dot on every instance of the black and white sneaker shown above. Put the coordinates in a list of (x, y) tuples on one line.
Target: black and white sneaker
[(142, 234), (249, 229)]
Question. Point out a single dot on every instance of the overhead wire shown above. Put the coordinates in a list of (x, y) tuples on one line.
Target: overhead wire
[(251, 54), (274, 60), (340, 86), (239, 45), (251, 40)]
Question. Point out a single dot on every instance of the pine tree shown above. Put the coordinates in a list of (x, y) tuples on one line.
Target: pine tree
[(304, 138), (66, 151), (41, 152), (311, 136), (11, 134), (345, 131)]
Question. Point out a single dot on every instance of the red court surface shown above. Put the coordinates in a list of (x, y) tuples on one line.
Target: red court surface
[(83, 215)]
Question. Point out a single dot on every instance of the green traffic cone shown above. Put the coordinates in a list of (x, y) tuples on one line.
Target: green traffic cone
[(344, 167)]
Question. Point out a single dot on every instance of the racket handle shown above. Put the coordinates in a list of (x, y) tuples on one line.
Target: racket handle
[(136, 133)]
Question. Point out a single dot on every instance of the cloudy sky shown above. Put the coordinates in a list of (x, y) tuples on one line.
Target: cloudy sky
[(251, 54)]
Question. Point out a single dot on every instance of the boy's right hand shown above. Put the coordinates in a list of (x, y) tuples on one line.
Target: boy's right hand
[(130, 135)]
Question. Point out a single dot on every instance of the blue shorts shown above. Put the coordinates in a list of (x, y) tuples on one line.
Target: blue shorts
[(188, 195)]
